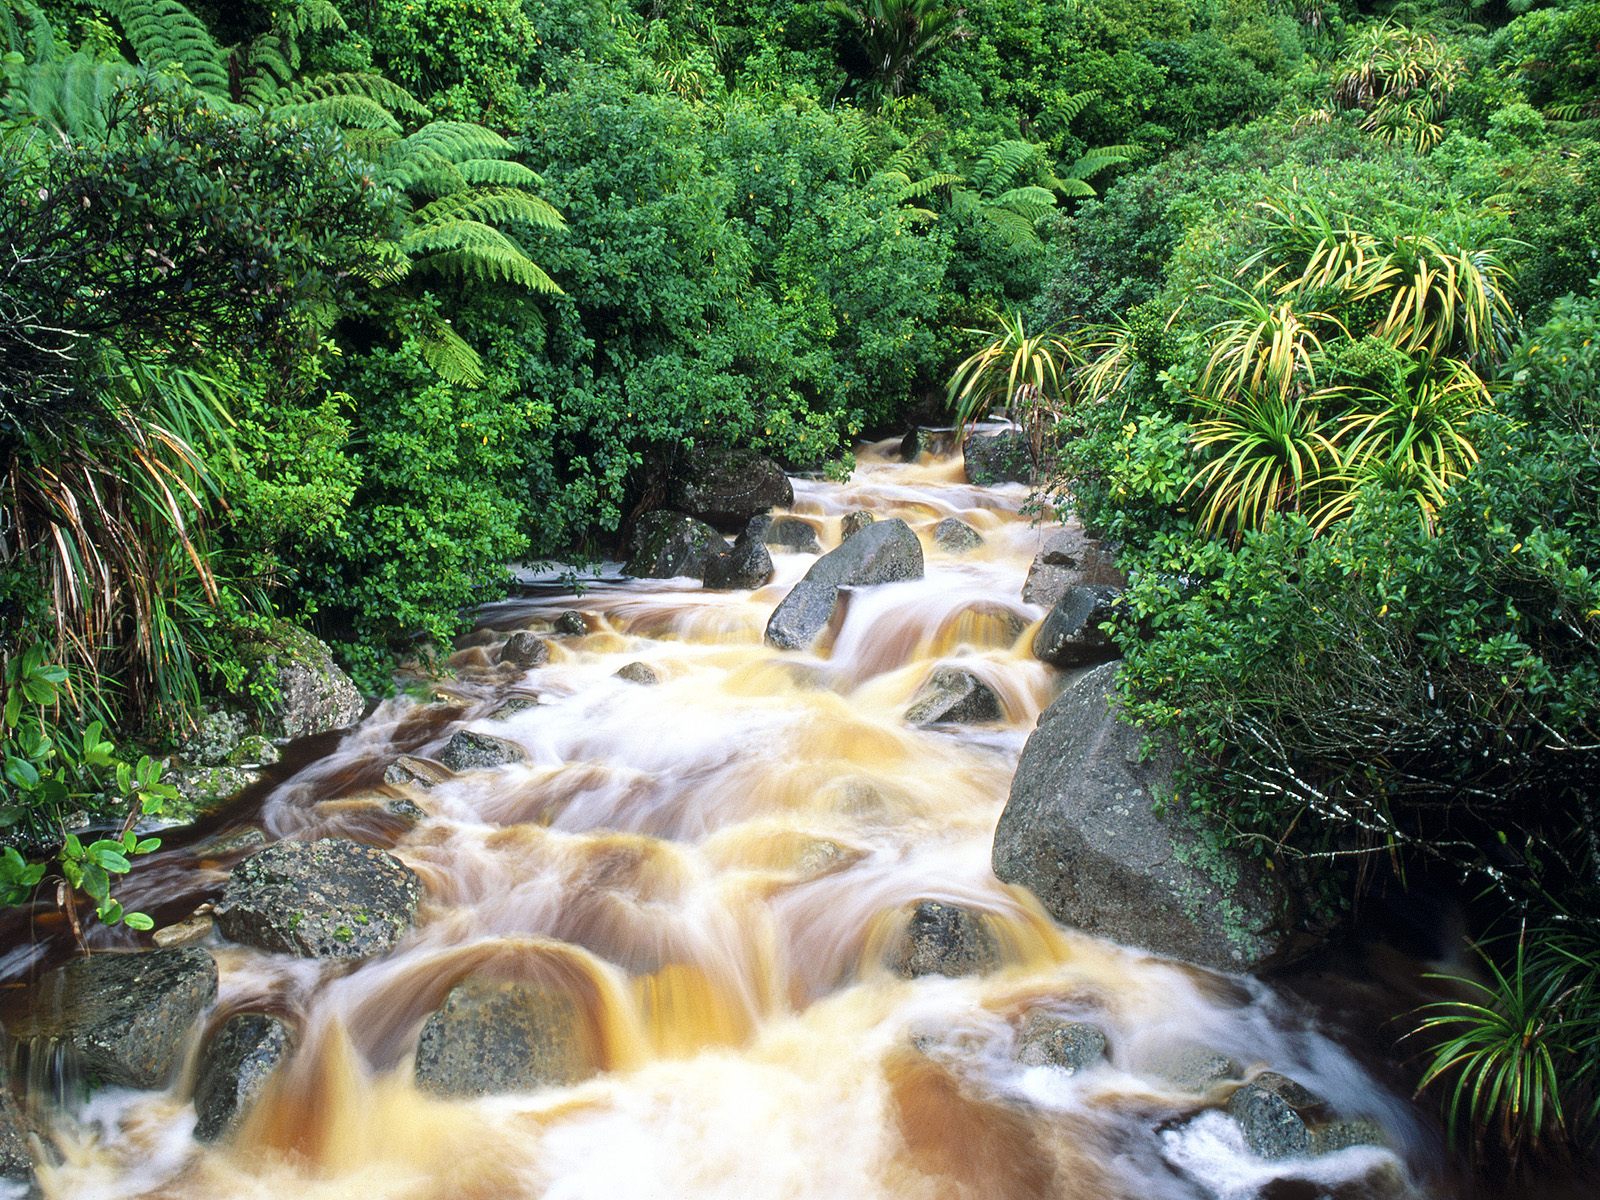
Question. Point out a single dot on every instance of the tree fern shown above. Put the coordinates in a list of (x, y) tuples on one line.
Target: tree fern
[(163, 32), (499, 206), (372, 87), (472, 251), (70, 95), (343, 112), (498, 172)]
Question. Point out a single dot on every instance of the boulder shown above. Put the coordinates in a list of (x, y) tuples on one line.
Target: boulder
[(667, 545), (745, 567), (954, 697), (998, 458), (493, 1037), (853, 523), (1274, 1113), (956, 536), (469, 750), (236, 1064), (314, 693), (942, 939), (1071, 635), (332, 898), (511, 706), (883, 552), (214, 738), (787, 533), (16, 1157), (1081, 832), (728, 487), (419, 772), (640, 673), (572, 624), (525, 650), (1069, 558), (254, 750), (203, 790), (126, 1016), (1046, 1040)]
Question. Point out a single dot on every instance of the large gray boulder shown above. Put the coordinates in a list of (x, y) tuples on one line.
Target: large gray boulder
[(954, 697), (998, 458), (882, 552), (332, 898), (748, 565), (1070, 558), (493, 1037), (728, 487), (786, 533), (1080, 832), (525, 650), (1071, 635), (469, 750), (235, 1067), (126, 1016), (666, 545), (942, 939)]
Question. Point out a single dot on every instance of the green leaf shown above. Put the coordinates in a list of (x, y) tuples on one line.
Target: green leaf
[(22, 773)]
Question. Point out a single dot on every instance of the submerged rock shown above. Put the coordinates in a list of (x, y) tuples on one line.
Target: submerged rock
[(469, 750), (511, 706), (956, 536), (493, 1037), (1071, 635), (332, 898), (238, 1061), (943, 939), (126, 1016), (667, 545), (640, 673), (853, 523), (998, 458), (572, 624), (1046, 1040), (1080, 831), (728, 487), (953, 696), (883, 552), (1070, 558), (1191, 1067), (525, 650), (746, 566)]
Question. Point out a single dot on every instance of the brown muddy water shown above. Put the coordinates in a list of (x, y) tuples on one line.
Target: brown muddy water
[(715, 865)]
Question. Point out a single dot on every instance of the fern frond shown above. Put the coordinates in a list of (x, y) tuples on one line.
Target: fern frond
[(445, 350), (26, 30), (492, 206), (472, 250), (498, 172), (73, 94), (457, 141), (265, 70), (1014, 228), (1068, 108), (376, 88), (1095, 161), (1005, 164), (344, 112), (928, 184), (164, 32)]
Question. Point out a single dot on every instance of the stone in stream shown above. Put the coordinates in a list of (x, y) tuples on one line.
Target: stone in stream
[(525, 650), (997, 458), (236, 1064), (493, 1037), (512, 705), (954, 697), (419, 772), (1191, 1067), (1071, 635), (942, 939), (126, 1016), (640, 673), (746, 566), (572, 624), (883, 552), (16, 1157), (194, 928), (1046, 1040), (786, 533), (956, 536), (727, 487), (1081, 832), (1281, 1119), (469, 750), (1069, 558), (667, 545), (853, 523), (331, 898)]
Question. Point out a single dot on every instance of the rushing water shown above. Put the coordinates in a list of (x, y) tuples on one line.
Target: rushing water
[(714, 866)]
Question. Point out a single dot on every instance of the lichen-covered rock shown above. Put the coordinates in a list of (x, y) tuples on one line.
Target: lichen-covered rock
[(332, 898), (236, 1064), (126, 1015), (1070, 635), (728, 487), (215, 737), (956, 536), (1080, 831), (492, 1037), (853, 523), (954, 697), (525, 650), (1274, 1113), (942, 939), (1190, 1067), (883, 552), (1046, 1040), (254, 750), (669, 545), (203, 790), (998, 458), (640, 673), (469, 750), (314, 693), (16, 1157), (572, 624), (747, 566), (1070, 558)]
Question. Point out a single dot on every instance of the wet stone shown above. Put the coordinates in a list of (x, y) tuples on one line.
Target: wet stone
[(469, 750), (238, 1061), (16, 1159), (1273, 1110), (405, 810), (525, 650), (185, 932), (126, 1016), (1046, 1040), (745, 567), (511, 706), (1071, 635), (853, 523), (409, 769), (954, 697), (956, 536), (883, 552), (332, 898), (1194, 1068), (257, 750), (997, 458), (789, 533), (667, 545), (1069, 558), (226, 845), (571, 624), (728, 486), (493, 1037), (943, 939), (640, 673)]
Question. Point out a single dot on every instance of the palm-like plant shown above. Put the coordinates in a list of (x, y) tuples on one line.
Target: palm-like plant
[(1017, 369), (1401, 80), (895, 36)]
